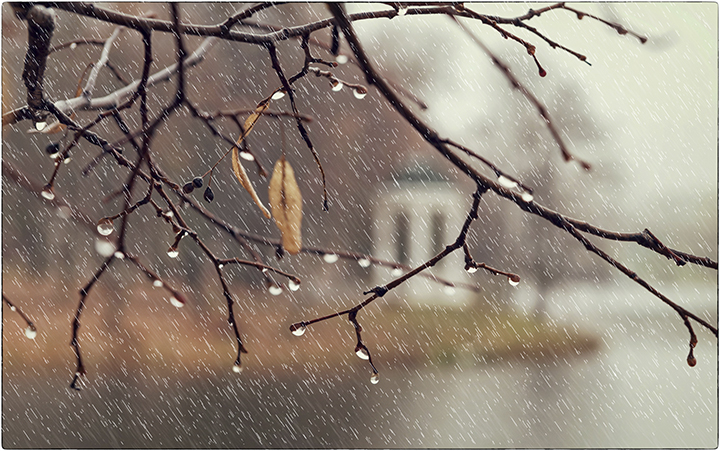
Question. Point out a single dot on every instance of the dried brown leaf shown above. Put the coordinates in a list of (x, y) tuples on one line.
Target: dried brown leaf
[(237, 166), (286, 205), (242, 177), (253, 118)]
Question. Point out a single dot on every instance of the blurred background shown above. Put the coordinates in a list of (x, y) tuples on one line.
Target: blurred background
[(576, 355)]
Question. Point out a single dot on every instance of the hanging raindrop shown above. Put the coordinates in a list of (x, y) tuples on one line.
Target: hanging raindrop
[(396, 272), (527, 197), (40, 125), (359, 93), (53, 149), (275, 290), (506, 182), (374, 379), (31, 332), (337, 85), (13, 308), (47, 193), (105, 227), (514, 280), (67, 160), (341, 59), (157, 283), (401, 12), (119, 255), (176, 302), (298, 329), (364, 262), (362, 353), (237, 368), (73, 46), (294, 286), (104, 247), (471, 269), (245, 155), (173, 252), (330, 258), (64, 212), (278, 95)]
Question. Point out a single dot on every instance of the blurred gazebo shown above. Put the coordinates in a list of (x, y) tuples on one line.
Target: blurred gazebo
[(416, 214)]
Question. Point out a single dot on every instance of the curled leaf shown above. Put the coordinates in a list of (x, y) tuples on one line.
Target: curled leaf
[(242, 177), (237, 166), (286, 205), (253, 118)]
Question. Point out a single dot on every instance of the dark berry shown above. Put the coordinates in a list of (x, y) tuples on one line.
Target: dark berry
[(188, 187), (209, 196), (52, 148), (198, 182)]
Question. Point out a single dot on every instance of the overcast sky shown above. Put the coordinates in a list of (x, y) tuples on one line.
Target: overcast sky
[(657, 102)]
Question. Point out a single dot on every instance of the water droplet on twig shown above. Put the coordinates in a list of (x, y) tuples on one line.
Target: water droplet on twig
[(237, 368), (73, 46), (362, 353), (330, 258), (64, 212), (471, 269), (278, 95), (396, 272), (47, 193), (506, 182), (104, 247), (53, 149), (173, 252), (245, 155), (359, 93), (341, 59), (157, 283), (275, 290), (294, 286), (40, 125), (364, 262), (176, 302), (298, 329), (374, 379), (514, 280), (337, 85), (105, 227), (31, 332), (527, 197), (119, 255)]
